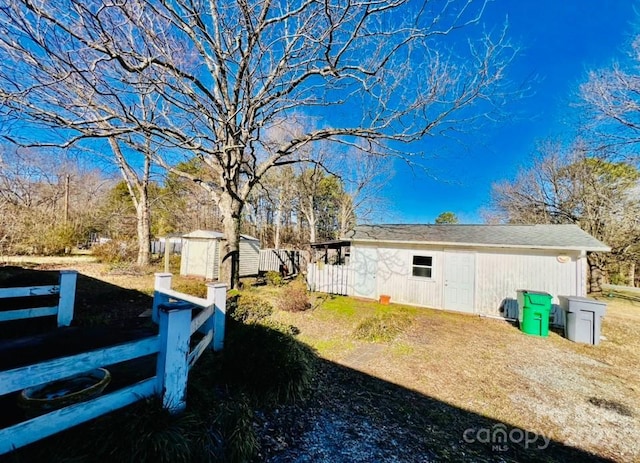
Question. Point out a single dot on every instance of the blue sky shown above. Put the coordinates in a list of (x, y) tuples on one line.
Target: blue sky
[(560, 41)]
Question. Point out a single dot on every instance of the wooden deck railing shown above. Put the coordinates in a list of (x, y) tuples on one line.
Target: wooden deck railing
[(174, 313), (66, 289)]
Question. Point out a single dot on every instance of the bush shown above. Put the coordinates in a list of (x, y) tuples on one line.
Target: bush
[(285, 328), (59, 239), (618, 279), (216, 426), (294, 297), (115, 252), (142, 432), (192, 286), (269, 365), (382, 328), (248, 308), (274, 278)]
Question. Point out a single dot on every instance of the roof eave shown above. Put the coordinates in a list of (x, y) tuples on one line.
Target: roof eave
[(485, 245)]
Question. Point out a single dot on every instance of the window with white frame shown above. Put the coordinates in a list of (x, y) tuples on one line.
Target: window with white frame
[(422, 266)]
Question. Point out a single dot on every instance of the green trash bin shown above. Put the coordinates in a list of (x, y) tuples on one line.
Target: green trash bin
[(534, 308)]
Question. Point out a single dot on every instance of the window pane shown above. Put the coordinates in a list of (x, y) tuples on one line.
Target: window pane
[(422, 272), (423, 260)]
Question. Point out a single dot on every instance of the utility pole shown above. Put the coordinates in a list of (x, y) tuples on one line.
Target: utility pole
[(66, 199)]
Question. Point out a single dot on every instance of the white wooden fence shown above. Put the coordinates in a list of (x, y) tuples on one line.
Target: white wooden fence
[(332, 279), (272, 259), (66, 290), (173, 312), (157, 247)]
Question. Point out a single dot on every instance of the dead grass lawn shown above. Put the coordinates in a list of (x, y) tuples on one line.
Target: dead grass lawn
[(583, 396), (580, 395)]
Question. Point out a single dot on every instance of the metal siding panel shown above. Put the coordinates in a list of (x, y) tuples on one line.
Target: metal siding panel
[(215, 263), (210, 273), (249, 257), (501, 273), (395, 279)]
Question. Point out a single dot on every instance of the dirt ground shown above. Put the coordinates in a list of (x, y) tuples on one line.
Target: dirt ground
[(447, 387)]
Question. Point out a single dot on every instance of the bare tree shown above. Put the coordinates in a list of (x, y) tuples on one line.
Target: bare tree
[(571, 187), (50, 82), (364, 179), (227, 72), (47, 203), (611, 99)]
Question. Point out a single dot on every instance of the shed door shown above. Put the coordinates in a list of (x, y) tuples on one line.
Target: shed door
[(198, 257), (365, 268), (459, 281)]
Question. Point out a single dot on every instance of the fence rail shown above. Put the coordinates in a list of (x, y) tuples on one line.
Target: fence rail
[(173, 313), (65, 289)]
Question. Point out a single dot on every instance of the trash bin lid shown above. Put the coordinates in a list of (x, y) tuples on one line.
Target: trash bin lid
[(578, 303), (536, 297)]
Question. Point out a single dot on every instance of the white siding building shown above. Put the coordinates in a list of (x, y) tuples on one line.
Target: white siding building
[(468, 268), (201, 254)]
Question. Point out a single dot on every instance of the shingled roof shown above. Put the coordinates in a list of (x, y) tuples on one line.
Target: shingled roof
[(562, 237)]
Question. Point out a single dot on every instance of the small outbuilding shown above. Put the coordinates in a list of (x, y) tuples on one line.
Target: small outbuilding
[(202, 254), (468, 268)]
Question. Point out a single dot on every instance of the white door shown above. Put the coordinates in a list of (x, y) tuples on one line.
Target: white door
[(198, 257), (459, 281), (365, 265)]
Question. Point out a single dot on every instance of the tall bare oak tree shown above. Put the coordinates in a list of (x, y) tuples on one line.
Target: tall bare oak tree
[(377, 75)]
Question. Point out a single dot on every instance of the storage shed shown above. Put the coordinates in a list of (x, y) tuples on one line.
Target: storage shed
[(467, 268), (202, 254)]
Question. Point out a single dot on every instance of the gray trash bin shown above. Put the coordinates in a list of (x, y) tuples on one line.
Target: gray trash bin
[(583, 318)]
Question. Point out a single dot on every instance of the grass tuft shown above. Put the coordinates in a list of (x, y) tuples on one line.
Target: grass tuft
[(382, 327)]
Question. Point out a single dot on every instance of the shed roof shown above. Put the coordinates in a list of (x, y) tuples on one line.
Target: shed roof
[(210, 234), (561, 237), (215, 235)]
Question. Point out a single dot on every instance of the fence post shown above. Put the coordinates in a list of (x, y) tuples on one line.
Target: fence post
[(217, 293), (172, 368), (162, 281), (67, 298)]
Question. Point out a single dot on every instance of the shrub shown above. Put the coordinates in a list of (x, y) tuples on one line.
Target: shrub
[(216, 426), (381, 328), (115, 252), (618, 279), (294, 297), (248, 308), (285, 328), (274, 278), (58, 240), (191, 286), (142, 432), (268, 364)]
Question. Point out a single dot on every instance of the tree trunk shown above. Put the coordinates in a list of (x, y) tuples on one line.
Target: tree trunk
[(632, 274), (143, 229), (310, 215), (595, 274), (312, 228), (278, 220), (231, 210)]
